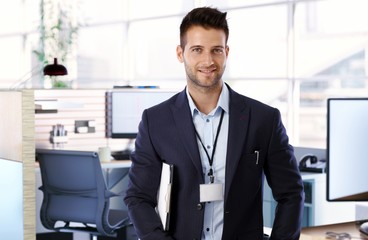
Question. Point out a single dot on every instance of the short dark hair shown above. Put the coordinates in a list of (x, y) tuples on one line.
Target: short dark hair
[(205, 17)]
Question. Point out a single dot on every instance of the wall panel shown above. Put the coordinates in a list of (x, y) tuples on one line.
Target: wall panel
[(81, 104)]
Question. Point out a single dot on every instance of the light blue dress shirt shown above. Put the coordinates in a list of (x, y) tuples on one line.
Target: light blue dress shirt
[(206, 126)]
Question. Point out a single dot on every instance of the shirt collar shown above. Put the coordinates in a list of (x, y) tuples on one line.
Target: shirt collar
[(223, 101)]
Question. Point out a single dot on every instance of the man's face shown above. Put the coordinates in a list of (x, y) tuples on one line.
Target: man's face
[(204, 56)]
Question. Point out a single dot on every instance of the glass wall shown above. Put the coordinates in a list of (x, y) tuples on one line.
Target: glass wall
[(292, 55)]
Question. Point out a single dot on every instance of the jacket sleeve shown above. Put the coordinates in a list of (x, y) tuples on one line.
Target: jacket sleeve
[(141, 195), (284, 178)]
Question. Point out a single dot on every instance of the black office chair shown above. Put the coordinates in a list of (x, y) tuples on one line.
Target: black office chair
[(75, 194)]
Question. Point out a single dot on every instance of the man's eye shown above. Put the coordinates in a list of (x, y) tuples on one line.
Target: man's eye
[(218, 51), (197, 50)]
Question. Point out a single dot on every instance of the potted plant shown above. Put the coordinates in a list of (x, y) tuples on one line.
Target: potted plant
[(58, 36)]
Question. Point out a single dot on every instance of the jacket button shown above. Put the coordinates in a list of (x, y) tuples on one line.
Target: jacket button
[(199, 206)]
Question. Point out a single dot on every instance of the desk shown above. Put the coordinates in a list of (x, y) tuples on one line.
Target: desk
[(317, 210), (116, 164), (319, 232), (116, 173)]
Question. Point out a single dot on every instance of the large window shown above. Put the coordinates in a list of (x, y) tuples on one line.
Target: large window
[(330, 60), (292, 55)]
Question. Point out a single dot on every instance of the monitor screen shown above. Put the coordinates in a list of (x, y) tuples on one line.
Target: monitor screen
[(347, 149), (124, 109)]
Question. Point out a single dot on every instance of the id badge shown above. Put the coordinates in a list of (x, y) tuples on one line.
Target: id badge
[(210, 192)]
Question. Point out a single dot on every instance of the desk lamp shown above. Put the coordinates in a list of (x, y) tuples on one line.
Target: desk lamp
[(50, 69), (55, 69)]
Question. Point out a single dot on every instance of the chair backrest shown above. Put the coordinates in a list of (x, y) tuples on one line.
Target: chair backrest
[(74, 190)]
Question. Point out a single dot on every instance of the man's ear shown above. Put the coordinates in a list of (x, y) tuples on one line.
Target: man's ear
[(179, 53)]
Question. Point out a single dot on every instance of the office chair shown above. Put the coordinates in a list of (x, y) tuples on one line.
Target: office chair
[(75, 194)]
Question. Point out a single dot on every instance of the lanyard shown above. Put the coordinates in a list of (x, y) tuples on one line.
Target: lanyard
[(210, 159)]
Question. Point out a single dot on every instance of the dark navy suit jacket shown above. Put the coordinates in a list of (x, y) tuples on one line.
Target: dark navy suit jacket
[(166, 134)]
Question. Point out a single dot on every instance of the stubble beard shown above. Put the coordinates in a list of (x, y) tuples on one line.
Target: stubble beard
[(194, 80)]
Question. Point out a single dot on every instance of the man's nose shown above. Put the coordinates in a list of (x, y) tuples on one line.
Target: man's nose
[(208, 58)]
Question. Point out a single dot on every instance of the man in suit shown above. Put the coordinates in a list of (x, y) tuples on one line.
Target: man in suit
[(221, 145)]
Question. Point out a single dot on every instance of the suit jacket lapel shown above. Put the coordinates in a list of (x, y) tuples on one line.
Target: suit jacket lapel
[(184, 124), (238, 126)]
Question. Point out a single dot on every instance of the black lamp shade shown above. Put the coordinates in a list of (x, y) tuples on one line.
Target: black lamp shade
[(55, 69)]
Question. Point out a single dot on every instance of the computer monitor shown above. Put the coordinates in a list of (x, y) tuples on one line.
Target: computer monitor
[(124, 109), (347, 149)]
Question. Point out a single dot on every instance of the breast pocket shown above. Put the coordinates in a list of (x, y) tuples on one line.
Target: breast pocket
[(254, 159)]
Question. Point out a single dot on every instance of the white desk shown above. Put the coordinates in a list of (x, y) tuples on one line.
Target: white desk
[(116, 164), (318, 211), (319, 232)]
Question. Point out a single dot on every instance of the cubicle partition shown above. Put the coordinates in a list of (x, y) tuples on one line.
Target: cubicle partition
[(11, 204), (17, 165)]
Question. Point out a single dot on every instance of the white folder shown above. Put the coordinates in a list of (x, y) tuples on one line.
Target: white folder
[(164, 195)]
